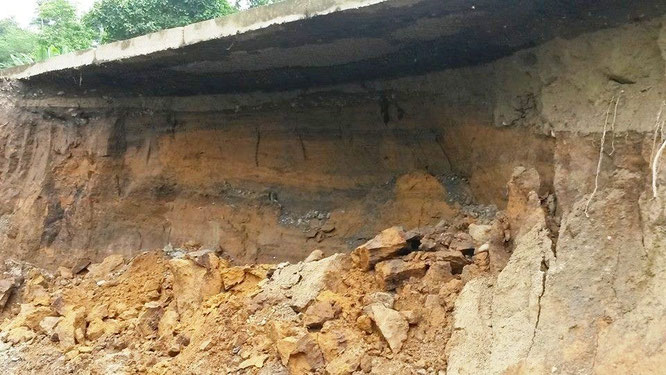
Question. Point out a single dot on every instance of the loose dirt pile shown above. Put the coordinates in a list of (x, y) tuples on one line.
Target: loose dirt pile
[(385, 308)]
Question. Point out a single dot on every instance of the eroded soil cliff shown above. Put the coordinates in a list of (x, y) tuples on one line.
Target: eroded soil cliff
[(560, 271)]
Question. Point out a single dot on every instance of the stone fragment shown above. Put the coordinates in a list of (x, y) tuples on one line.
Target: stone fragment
[(31, 316), (6, 289), (462, 242), (81, 265), (307, 356), (65, 273), (364, 323), (346, 363), (18, 335), (413, 317), (391, 273), (149, 321), (205, 258), (232, 277), (95, 329), (480, 233), (71, 329), (48, 325), (391, 324), (168, 323), (385, 245), (192, 283), (314, 256), (108, 265), (455, 258), (285, 347), (439, 273), (320, 312), (385, 298), (303, 281), (450, 288), (257, 361)]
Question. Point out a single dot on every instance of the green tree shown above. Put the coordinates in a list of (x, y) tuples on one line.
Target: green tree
[(124, 19), (258, 3), (16, 44), (60, 28)]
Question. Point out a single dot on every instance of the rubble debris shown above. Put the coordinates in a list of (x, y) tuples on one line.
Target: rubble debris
[(382, 305)]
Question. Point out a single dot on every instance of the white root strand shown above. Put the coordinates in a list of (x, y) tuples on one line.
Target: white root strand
[(601, 156), (655, 168)]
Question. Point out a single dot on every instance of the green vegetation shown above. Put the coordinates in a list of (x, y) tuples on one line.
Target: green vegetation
[(58, 29), (257, 3), (16, 44), (123, 19)]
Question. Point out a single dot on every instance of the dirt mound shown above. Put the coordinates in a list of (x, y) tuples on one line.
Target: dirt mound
[(385, 308)]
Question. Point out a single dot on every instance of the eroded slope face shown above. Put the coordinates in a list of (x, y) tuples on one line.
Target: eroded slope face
[(578, 290), (267, 184)]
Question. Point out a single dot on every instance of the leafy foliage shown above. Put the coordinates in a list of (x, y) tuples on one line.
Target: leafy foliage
[(60, 28), (16, 44), (258, 3), (123, 19)]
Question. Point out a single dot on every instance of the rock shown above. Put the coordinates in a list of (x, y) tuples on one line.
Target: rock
[(18, 335), (315, 255), (364, 323), (482, 260), (320, 312), (173, 350), (37, 295), (31, 316), (168, 323), (108, 265), (193, 283), (256, 361), (480, 233), (391, 324), (385, 298), (65, 273), (300, 353), (462, 242), (385, 245), (412, 316), (306, 357), (48, 325), (205, 258), (149, 321), (81, 265), (95, 330), (303, 281), (391, 273), (438, 274), (71, 329), (450, 288), (346, 363), (6, 288), (285, 347), (232, 277), (457, 260)]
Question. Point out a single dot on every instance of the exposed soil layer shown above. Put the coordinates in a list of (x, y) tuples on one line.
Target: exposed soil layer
[(561, 271)]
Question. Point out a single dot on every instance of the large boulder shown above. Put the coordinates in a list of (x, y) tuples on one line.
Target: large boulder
[(385, 245)]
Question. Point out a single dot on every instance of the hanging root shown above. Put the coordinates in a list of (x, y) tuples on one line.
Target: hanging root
[(658, 132), (601, 151), (655, 168), (654, 158), (613, 123)]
